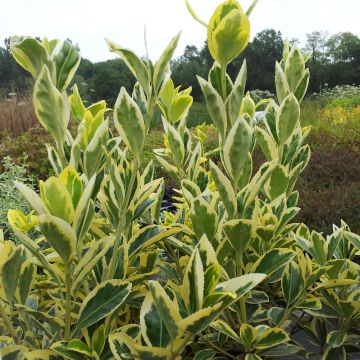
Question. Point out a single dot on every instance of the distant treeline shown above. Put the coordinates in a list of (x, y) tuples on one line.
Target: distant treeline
[(335, 61)]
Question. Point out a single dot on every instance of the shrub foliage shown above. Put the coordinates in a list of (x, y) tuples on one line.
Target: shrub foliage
[(228, 275)]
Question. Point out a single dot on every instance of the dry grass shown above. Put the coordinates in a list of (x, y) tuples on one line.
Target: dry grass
[(17, 115)]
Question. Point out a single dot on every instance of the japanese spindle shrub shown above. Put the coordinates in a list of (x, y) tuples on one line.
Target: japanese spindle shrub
[(108, 275)]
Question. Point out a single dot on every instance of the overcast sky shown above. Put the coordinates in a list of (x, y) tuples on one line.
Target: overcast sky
[(88, 22)]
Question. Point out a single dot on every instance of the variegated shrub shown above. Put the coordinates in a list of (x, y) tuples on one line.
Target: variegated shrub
[(100, 272)]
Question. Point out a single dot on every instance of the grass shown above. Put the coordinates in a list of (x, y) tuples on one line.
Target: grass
[(17, 115)]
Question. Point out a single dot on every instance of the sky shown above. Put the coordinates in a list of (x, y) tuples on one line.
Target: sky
[(88, 22)]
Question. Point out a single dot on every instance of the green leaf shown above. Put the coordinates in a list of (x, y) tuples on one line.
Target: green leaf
[(134, 63), (352, 237), (153, 329), (176, 144), (267, 144), (204, 218), (11, 272), (60, 235), (228, 38), (94, 151), (239, 286), (287, 118), (303, 85), (129, 122), (88, 262), (222, 327), (162, 64), (336, 338), (193, 283), (71, 179), (234, 100), (51, 106), (247, 334), (270, 337), (277, 183), (98, 339), (67, 60), (282, 86), (57, 198), (215, 79), (26, 279), (102, 301), (215, 106), (206, 354), (272, 261), (74, 349), (294, 68), (225, 189), (292, 282), (168, 312), (76, 104), (239, 233), (29, 54), (236, 148)]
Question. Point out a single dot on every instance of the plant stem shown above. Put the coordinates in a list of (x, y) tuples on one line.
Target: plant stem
[(8, 324), (223, 82), (68, 302), (217, 348), (239, 264), (121, 224)]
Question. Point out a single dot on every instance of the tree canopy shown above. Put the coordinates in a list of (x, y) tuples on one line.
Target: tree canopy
[(335, 61)]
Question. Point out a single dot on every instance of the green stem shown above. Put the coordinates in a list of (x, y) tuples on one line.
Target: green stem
[(8, 324), (223, 82), (68, 282), (121, 224), (217, 348), (239, 265)]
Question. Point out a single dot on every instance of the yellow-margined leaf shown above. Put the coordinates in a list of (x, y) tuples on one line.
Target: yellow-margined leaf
[(234, 100), (273, 260), (167, 310), (67, 60), (76, 104), (267, 144), (102, 301), (29, 53), (236, 148), (60, 235), (10, 272), (88, 262), (51, 107), (57, 198), (204, 218), (134, 63), (294, 68), (225, 189), (215, 106), (162, 65), (193, 283), (281, 84), (71, 179), (153, 329), (32, 198), (222, 327), (287, 118), (239, 232), (129, 122)]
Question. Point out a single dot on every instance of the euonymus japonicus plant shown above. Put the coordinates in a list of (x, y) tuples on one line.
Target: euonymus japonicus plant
[(100, 272)]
